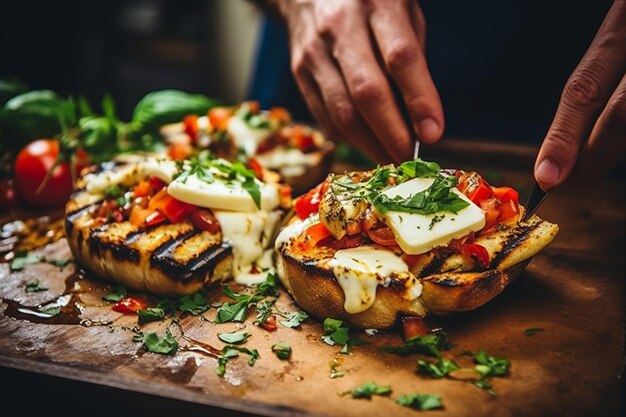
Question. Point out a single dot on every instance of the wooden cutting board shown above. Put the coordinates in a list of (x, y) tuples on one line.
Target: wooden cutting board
[(573, 291)]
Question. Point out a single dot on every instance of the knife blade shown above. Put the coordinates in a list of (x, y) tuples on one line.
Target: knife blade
[(537, 196), (416, 151)]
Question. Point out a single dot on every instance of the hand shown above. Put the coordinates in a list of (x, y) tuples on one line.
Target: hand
[(343, 55), (589, 128)]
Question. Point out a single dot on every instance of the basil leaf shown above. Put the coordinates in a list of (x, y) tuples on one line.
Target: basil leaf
[(369, 389), (116, 295), (35, 286), (150, 314), (229, 352), (438, 369), (99, 137), (23, 258), (52, 310), (421, 402), (282, 350), (338, 334), (165, 345), (264, 311), (234, 337), (418, 169), (269, 286), (59, 263), (294, 319), (194, 304), (430, 344), (487, 365)]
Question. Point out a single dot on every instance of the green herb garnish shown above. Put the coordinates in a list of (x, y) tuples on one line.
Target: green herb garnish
[(282, 350), (264, 311), (150, 314), (23, 258), (238, 310), (35, 286), (113, 192), (229, 352), (194, 304), (269, 286), (438, 369), (234, 338), (421, 402), (294, 319), (430, 344), (117, 294), (165, 345), (335, 333), (369, 389)]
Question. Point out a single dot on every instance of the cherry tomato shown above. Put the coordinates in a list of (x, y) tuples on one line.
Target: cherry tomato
[(219, 116), (269, 324), (31, 166), (129, 305), (413, 326), (175, 210), (310, 202), (477, 252), (205, 220), (382, 235), (256, 167)]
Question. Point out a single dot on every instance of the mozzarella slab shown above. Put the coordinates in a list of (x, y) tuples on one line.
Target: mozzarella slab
[(247, 138), (360, 270), (221, 195), (419, 233)]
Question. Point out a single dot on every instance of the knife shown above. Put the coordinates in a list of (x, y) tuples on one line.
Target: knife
[(537, 196), (416, 151)]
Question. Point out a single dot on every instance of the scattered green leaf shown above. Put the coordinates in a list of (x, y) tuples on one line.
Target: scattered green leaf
[(117, 294), (430, 344), (264, 311), (234, 337), (335, 333), (421, 402), (282, 350), (269, 286), (294, 319), (35, 286), (194, 304), (438, 369), (229, 352), (166, 345), (369, 389), (23, 258), (150, 314)]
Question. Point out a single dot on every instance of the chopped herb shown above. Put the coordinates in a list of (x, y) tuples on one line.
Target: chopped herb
[(487, 365), (532, 331), (436, 219), (166, 345), (229, 352), (264, 311), (114, 191), (116, 295), (438, 369), (60, 263), (269, 286), (282, 350), (421, 402), (51, 310), (430, 344), (238, 310), (150, 314), (23, 258), (234, 337), (195, 303), (369, 389), (335, 333), (35, 286), (294, 319)]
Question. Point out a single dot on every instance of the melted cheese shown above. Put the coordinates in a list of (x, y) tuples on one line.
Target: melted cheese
[(222, 195), (360, 270), (249, 234), (419, 233), (294, 229), (246, 137), (281, 157)]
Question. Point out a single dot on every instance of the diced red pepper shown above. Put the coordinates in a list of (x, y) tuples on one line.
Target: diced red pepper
[(175, 210), (179, 151), (129, 305)]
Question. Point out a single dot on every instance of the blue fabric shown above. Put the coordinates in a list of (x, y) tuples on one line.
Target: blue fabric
[(499, 65)]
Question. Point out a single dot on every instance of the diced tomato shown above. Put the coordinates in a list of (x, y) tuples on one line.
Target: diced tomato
[(129, 305), (154, 219), (476, 252), (205, 219), (156, 183), (309, 203), (180, 151), (280, 114), (191, 127), (175, 210), (413, 326), (218, 117), (142, 189), (314, 234), (491, 207), (474, 187), (138, 215), (382, 235), (256, 167), (345, 242), (269, 324), (508, 210), (505, 193), (284, 195)]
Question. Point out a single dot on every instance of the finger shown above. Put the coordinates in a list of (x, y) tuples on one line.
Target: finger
[(402, 53), (418, 21), (313, 99), (584, 97), (366, 83), (607, 143), (318, 76)]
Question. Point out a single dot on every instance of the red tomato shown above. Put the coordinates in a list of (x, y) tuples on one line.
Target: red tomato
[(314, 234), (218, 117), (382, 235), (310, 202), (280, 114), (156, 183), (129, 305), (191, 127), (508, 209), (477, 252), (205, 220), (491, 207), (31, 166), (270, 324), (256, 167), (154, 218), (175, 210), (179, 151), (413, 326), (142, 189)]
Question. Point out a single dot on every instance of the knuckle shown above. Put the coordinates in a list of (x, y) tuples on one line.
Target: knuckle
[(563, 138), (344, 115), (400, 55), (329, 20), (366, 90), (616, 108), (583, 89)]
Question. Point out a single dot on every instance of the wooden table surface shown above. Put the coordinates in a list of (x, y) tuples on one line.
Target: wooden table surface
[(573, 290)]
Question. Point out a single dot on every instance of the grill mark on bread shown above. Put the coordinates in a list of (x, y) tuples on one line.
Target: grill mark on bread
[(71, 217), (101, 240), (515, 238)]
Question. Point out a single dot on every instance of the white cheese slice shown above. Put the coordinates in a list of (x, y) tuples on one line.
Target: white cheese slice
[(111, 175), (295, 229), (222, 195), (419, 233), (161, 168), (281, 157), (249, 234), (246, 137), (360, 270)]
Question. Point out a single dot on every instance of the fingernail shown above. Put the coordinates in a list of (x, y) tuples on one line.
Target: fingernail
[(428, 129), (548, 172)]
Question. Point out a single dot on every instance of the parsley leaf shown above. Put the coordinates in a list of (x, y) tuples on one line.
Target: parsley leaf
[(59, 263), (117, 294), (35, 286), (238, 310), (165, 345), (229, 352), (417, 168), (269, 286), (335, 333), (23, 258), (294, 319), (114, 191), (264, 311), (369, 389), (51, 310), (438, 369), (195, 303), (487, 365), (420, 401), (150, 314), (532, 331), (282, 350), (430, 344), (234, 337)]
